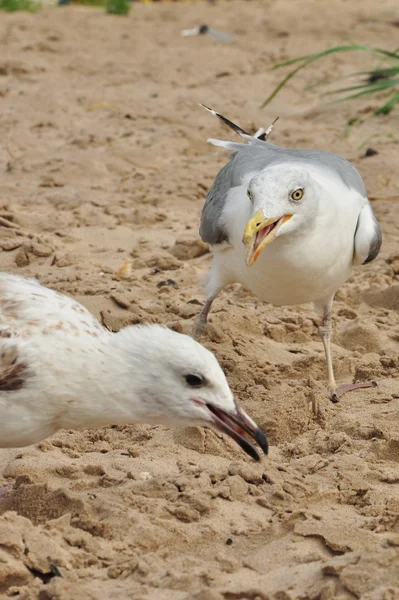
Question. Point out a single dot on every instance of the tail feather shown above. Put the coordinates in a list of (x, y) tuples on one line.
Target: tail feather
[(225, 144)]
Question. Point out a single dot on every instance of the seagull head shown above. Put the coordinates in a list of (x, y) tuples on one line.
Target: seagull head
[(178, 381), (284, 200)]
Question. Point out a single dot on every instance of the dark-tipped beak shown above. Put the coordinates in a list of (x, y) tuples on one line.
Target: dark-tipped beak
[(238, 426)]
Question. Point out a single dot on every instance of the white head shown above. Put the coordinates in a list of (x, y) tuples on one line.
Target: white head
[(285, 200), (175, 380)]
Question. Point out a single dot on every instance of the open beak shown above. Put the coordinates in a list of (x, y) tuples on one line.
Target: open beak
[(238, 426), (259, 233)]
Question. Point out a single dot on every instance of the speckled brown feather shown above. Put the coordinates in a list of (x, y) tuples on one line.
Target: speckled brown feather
[(13, 370)]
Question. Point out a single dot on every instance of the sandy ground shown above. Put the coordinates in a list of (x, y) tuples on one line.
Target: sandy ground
[(103, 159)]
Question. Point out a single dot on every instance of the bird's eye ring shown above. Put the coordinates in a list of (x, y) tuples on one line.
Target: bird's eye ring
[(194, 381), (296, 195)]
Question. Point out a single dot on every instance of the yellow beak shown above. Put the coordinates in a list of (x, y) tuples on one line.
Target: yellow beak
[(256, 243)]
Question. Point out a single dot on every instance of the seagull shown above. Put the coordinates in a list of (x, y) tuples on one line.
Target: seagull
[(61, 369), (289, 225), (205, 29)]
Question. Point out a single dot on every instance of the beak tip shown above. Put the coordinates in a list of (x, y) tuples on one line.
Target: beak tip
[(262, 441), (250, 260), (236, 425)]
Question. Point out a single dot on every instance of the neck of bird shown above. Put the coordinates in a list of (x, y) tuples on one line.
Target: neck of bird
[(106, 388)]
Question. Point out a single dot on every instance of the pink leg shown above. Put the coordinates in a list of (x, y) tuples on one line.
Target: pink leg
[(334, 391), (201, 320), (349, 387)]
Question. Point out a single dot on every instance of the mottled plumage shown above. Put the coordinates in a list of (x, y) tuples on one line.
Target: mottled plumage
[(60, 368)]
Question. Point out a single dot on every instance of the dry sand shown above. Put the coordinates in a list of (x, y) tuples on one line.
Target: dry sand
[(103, 159)]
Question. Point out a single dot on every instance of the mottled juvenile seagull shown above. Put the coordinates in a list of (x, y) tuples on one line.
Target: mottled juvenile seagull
[(312, 205), (59, 368)]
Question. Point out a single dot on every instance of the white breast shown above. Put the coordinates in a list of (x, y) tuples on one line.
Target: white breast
[(296, 268)]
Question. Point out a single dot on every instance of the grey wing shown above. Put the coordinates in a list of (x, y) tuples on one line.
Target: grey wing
[(243, 164), (368, 237), (336, 164), (211, 231)]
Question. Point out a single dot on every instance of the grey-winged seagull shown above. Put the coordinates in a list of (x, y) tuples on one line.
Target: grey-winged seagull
[(60, 368), (312, 205)]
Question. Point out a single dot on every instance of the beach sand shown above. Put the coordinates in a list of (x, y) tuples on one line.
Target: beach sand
[(104, 163)]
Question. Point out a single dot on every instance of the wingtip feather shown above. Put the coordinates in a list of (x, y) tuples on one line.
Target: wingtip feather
[(261, 135)]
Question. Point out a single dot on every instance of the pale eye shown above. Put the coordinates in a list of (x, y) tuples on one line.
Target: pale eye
[(296, 195)]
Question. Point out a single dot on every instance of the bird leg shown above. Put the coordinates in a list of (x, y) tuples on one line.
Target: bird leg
[(334, 391), (325, 330), (201, 320)]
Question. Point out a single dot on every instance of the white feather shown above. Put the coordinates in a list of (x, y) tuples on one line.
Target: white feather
[(60, 368), (310, 262)]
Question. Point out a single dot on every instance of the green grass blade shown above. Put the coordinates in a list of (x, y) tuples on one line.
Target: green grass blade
[(367, 140), (344, 48), (386, 71), (306, 61), (284, 81), (312, 86), (383, 82), (353, 96), (376, 74), (15, 5), (316, 55), (386, 109), (373, 87), (394, 55)]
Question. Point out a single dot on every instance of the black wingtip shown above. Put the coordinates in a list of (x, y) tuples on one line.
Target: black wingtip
[(264, 136), (207, 108), (226, 121)]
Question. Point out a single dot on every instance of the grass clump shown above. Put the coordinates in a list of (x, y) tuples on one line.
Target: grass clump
[(94, 3), (383, 78), (117, 7), (14, 5)]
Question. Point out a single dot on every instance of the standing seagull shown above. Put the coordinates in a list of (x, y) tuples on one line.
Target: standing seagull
[(59, 368), (312, 205)]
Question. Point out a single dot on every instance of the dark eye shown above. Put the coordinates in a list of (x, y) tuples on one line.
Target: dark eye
[(249, 194), (296, 195), (195, 381)]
